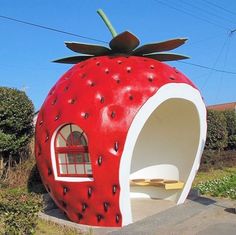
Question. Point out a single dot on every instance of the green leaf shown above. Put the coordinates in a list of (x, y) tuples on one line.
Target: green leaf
[(166, 56), (160, 46), (89, 49), (124, 42), (72, 59)]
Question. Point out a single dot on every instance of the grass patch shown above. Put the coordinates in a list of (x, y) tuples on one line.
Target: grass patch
[(202, 177), (217, 183), (50, 228)]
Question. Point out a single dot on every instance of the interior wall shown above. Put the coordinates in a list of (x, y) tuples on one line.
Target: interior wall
[(167, 144)]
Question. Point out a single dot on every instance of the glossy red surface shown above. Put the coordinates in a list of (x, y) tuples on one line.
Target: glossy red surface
[(101, 95)]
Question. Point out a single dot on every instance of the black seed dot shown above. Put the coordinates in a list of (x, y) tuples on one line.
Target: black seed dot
[(172, 78), (66, 88), (41, 122), (91, 83), (116, 146), (100, 160), (102, 99), (114, 189), (98, 63), (106, 71), (152, 66), (119, 62), (90, 191), (86, 115), (150, 78), (65, 190), (54, 101), (99, 217), (105, 205), (113, 114), (80, 216), (131, 97), (57, 117), (71, 101), (117, 218), (49, 171), (47, 138), (84, 207), (128, 69)]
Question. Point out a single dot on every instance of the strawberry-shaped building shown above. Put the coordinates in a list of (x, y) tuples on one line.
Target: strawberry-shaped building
[(119, 124)]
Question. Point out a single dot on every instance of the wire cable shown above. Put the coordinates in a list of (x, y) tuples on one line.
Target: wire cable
[(222, 8), (49, 28), (195, 16), (206, 11), (206, 67), (97, 40)]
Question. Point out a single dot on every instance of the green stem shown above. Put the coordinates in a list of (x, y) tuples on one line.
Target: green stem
[(107, 22)]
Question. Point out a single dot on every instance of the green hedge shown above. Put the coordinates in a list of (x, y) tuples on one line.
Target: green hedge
[(217, 136), (16, 122), (221, 130), (231, 128), (19, 212)]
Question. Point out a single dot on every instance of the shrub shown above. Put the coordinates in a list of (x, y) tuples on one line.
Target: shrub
[(230, 117), (217, 136), (16, 123), (19, 211)]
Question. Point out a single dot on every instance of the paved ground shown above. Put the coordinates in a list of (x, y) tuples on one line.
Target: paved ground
[(201, 216)]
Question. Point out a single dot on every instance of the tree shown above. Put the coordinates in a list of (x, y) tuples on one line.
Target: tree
[(217, 135), (16, 123), (230, 117)]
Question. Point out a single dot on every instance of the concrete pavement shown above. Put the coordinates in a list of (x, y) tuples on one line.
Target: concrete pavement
[(199, 215)]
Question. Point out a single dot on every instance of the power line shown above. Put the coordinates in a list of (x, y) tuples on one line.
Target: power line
[(97, 40), (204, 9), (49, 28), (206, 67), (195, 16), (222, 8)]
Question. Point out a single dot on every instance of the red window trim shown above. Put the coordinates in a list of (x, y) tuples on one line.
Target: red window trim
[(70, 149)]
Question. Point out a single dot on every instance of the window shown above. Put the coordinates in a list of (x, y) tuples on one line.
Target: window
[(71, 150)]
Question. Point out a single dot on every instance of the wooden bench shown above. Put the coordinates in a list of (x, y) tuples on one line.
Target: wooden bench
[(162, 183)]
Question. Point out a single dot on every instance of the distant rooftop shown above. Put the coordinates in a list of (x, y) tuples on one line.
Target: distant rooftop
[(222, 107)]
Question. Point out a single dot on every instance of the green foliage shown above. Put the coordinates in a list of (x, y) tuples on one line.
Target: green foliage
[(16, 121), (217, 136), (19, 211), (230, 116), (224, 187)]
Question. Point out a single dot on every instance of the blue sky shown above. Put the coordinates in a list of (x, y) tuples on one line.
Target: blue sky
[(26, 52)]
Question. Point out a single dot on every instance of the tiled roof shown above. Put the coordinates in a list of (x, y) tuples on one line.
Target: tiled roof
[(222, 107)]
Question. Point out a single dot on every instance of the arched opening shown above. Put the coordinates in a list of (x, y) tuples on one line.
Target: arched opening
[(165, 149)]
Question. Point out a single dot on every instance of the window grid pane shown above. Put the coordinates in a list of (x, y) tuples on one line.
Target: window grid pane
[(72, 163)]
